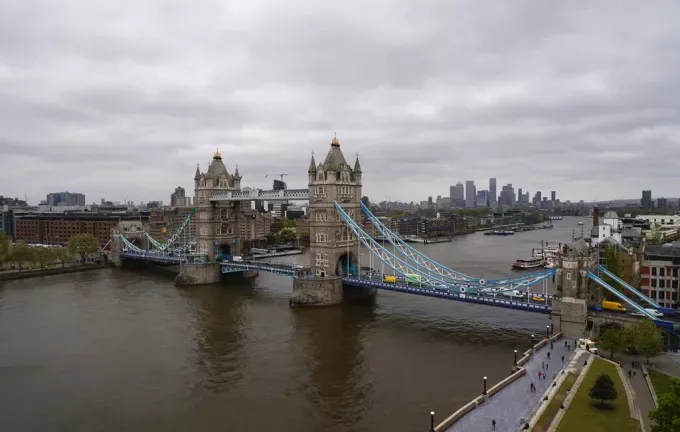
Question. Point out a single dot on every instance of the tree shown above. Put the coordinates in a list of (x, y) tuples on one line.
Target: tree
[(64, 256), (611, 263), (287, 234), (82, 245), (21, 253), (5, 248), (43, 256), (603, 389), (613, 340), (666, 417), (647, 339)]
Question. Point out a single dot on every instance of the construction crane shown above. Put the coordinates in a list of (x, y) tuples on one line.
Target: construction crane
[(277, 174)]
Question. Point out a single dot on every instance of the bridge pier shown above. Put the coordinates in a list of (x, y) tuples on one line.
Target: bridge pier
[(326, 291), (198, 274)]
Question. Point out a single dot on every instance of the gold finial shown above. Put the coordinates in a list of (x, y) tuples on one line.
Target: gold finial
[(217, 154), (335, 141)]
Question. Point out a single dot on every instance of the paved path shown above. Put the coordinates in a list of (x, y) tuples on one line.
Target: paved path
[(668, 364), (516, 402)]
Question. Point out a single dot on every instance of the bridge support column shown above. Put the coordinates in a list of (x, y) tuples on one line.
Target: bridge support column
[(198, 274), (325, 291)]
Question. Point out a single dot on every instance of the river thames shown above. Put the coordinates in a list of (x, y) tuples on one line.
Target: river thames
[(125, 350)]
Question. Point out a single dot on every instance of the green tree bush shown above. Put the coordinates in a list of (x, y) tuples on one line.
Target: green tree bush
[(666, 417), (613, 340), (82, 245), (603, 389), (647, 339)]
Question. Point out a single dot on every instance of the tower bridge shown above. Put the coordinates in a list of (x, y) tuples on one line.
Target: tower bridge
[(336, 272)]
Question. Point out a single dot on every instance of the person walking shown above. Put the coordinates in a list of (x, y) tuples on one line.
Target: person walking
[(562, 359), (493, 424)]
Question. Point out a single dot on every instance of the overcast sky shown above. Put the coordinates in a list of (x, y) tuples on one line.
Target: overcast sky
[(121, 99)]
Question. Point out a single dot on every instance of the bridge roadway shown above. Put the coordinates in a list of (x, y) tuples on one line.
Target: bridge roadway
[(376, 281)]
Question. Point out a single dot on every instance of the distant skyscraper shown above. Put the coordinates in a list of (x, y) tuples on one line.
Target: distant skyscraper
[(457, 195), (553, 195), (520, 196), (482, 198), (661, 203), (646, 201), (507, 197), (537, 199), (178, 198), (470, 193), (492, 190)]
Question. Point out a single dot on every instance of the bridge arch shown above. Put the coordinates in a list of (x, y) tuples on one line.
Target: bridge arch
[(347, 264)]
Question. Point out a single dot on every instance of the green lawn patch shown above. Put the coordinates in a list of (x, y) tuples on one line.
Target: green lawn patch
[(584, 415), (553, 407), (660, 381)]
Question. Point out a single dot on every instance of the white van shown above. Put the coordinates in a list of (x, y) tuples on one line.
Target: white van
[(654, 312), (587, 345), (513, 294)]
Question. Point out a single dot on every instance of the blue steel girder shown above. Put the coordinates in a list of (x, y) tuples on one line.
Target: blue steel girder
[(621, 297), (635, 292), (411, 253), (429, 264), (436, 281)]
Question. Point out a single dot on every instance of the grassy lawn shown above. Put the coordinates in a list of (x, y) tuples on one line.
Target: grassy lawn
[(583, 415), (660, 381), (553, 407)]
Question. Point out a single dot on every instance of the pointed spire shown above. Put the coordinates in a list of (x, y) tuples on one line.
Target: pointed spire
[(198, 172), (236, 174), (335, 141), (312, 165), (357, 166)]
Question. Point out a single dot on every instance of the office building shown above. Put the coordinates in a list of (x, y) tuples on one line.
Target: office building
[(519, 196), (178, 198), (661, 203), (65, 199), (660, 272), (553, 195), (646, 201), (470, 193), (492, 191), (507, 197), (457, 194), (482, 198)]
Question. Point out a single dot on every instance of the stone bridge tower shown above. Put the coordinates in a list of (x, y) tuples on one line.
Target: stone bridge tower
[(333, 247), (575, 292), (217, 224)]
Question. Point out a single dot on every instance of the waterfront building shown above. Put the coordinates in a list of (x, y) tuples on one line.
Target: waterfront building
[(49, 228), (660, 272)]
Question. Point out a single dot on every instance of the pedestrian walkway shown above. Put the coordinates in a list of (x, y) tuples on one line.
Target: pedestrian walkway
[(668, 364), (516, 402), (642, 394)]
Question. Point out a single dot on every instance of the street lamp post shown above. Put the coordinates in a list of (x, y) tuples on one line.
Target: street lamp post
[(547, 332), (532, 341), (515, 357), (431, 421), (484, 392)]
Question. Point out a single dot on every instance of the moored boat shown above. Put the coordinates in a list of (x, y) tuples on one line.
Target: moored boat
[(527, 263)]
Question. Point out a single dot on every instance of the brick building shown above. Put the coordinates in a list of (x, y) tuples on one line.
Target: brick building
[(660, 274), (163, 222), (59, 228)]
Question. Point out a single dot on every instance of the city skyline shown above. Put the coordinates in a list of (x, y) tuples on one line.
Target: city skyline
[(554, 99)]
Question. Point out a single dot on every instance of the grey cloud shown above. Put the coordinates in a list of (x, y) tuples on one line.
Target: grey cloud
[(123, 101)]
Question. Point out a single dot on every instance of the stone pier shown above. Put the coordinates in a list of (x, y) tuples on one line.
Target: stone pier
[(198, 274), (327, 291)]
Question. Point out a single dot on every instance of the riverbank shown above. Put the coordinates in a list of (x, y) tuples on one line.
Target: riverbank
[(25, 274)]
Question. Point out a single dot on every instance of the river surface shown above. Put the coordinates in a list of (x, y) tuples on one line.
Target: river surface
[(111, 350)]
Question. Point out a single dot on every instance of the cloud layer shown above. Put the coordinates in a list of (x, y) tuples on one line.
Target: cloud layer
[(121, 100)]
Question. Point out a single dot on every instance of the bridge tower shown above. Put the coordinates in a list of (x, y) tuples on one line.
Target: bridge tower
[(575, 292), (217, 224), (333, 249)]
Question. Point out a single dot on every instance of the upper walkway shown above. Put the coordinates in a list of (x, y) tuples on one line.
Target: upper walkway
[(264, 195)]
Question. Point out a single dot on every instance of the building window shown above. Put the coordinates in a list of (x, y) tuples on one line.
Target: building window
[(320, 190), (321, 237), (204, 230), (662, 283), (674, 296), (653, 283), (674, 284), (653, 271), (675, 272), (662, 271), (568, 276), (653, 295)]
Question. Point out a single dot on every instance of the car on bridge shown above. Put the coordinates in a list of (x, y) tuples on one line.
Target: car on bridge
[(513, 294)]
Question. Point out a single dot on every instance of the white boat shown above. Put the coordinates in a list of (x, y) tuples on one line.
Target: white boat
[(528, 263)]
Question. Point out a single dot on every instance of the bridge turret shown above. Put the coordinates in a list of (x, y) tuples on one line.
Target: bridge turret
[(333, 248)]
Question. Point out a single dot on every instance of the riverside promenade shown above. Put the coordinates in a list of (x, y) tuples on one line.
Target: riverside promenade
[(516, 402)]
